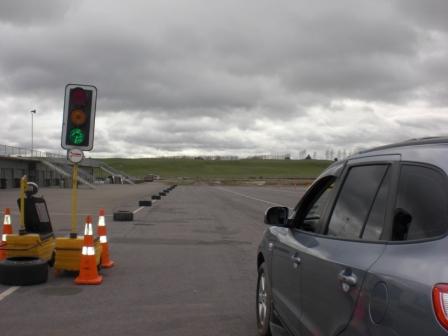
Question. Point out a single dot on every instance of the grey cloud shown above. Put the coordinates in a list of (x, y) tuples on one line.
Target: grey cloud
[(234, 75), (431, 14), (203, 64), (24, 12)]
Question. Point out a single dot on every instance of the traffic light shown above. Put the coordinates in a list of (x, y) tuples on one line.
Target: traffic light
[(79, 117)]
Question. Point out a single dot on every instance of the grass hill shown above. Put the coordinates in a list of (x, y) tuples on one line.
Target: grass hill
[(220, 169)]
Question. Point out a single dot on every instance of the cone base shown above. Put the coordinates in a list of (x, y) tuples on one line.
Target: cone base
[(2, 251), (95, 281), (107, 264)]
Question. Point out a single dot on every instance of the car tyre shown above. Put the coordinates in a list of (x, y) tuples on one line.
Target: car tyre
[(23, 271), (263, 302)]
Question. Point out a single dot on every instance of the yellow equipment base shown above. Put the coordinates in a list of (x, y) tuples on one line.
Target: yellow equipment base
[(68, 253), (29, 245)]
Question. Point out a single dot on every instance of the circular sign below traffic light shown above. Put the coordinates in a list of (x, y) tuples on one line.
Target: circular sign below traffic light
[(76, 136), (78, 117)]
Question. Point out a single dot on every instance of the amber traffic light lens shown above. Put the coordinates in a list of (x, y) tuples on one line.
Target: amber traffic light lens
[(78, 117)]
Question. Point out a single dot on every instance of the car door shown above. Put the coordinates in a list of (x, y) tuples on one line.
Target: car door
[(286, 257), (334, 264), (415, 259)]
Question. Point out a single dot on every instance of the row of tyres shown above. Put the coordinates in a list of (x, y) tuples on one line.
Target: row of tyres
[(128, 216)]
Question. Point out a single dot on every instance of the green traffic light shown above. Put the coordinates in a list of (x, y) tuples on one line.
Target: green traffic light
[(77, 136)]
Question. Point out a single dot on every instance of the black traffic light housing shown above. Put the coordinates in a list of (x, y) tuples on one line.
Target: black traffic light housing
[(79, 117)]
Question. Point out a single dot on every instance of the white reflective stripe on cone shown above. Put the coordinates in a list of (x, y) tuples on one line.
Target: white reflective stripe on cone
[(4, 237), (103, 239), (88, 250), (101, 221), (88, 231), (7, 220)]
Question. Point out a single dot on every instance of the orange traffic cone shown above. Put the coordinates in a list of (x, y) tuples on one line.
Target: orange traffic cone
[(102, 232), (88, 272), (7, 229)]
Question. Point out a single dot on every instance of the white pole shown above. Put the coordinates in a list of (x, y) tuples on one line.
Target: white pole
[(32, 131)]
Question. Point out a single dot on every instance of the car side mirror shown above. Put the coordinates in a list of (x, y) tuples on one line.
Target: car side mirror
[(277, 216)]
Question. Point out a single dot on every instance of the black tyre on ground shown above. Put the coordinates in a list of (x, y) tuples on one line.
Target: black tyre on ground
[(23, 271), (263, 302), (123, 216), (52, 259), (156, 197), (144, 203)]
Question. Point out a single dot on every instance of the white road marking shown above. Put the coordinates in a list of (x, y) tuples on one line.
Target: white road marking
[(8, 292), (295, 192), (139, 209), (250, 197)]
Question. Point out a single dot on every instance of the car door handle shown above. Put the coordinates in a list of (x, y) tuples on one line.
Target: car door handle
[(296, 260), (348, 277)]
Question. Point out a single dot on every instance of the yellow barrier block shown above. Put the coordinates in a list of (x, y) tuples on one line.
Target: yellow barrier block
[(29, 245), (68, 253)]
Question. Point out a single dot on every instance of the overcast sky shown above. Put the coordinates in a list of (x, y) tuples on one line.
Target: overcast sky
[(237, 77)]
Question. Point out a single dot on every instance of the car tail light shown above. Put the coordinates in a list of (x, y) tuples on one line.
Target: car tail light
[(440, 301)]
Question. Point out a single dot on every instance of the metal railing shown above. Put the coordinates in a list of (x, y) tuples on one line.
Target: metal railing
[(11, 151)]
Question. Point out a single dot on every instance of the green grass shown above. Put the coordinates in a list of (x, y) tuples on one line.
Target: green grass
[(205, 169)]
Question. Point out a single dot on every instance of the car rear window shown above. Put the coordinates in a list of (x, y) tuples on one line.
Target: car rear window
[(421, 209)]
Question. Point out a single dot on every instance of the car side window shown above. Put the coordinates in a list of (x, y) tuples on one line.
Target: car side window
[(421, 209), (355, 201), (377, 217), (310, 217)]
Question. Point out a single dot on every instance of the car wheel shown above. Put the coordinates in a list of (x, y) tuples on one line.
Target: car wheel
[(23, 271), (264, 302)]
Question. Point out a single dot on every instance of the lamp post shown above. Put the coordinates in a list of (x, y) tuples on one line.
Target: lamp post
[(33, 112)]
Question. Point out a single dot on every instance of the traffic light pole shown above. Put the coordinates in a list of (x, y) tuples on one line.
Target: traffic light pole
[(74, 231)]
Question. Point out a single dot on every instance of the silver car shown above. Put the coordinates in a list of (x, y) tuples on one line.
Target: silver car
[(364, 252)]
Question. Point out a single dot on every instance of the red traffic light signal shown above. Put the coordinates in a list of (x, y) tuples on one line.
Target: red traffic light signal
[(79, 117)]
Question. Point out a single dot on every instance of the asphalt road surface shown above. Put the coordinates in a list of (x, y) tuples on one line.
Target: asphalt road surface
[(184, 266)]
